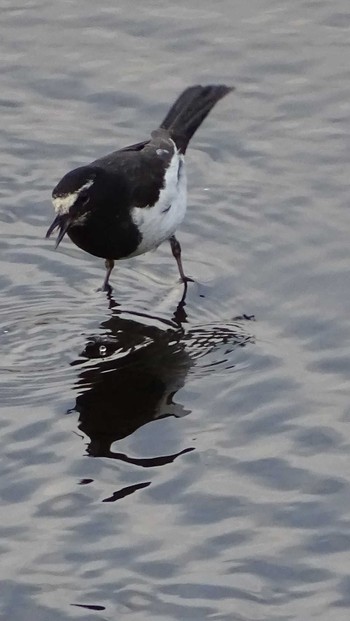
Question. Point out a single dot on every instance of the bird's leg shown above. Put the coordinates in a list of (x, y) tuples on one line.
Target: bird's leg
[(109, 263), (176, 250)]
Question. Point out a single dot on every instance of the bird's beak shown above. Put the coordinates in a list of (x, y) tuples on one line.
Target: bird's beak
[(61, 222)]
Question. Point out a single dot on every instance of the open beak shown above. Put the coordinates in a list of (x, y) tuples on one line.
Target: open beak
[(61, 222)]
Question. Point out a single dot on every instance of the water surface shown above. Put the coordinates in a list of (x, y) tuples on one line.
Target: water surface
[(161, 460)]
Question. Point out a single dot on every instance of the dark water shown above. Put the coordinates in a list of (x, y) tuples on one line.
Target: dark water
[(165, 462)]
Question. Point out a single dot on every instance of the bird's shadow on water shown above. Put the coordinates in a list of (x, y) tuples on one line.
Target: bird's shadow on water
[(131, 371)]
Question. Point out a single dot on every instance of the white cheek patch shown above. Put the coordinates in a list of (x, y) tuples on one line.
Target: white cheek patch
[(64, 202)]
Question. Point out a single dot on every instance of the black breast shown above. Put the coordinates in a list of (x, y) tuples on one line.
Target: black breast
[(116, 239), (108, 230)]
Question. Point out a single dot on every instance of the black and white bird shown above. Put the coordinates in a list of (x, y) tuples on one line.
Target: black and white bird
[(130, 201)]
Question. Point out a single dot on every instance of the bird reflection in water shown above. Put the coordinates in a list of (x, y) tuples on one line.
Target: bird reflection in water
[(132, 371)]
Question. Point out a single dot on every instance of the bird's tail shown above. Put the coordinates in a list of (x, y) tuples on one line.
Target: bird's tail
[(190, 110)]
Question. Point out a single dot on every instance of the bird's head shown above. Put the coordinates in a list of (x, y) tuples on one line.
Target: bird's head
[(73, 200)]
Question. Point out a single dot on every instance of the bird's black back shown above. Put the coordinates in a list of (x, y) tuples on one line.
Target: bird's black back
[(142, 167)]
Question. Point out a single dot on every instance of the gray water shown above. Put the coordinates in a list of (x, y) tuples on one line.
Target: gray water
[(193, 462)]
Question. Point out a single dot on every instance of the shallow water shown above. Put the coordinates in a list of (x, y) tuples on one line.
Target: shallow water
[(160, 460)]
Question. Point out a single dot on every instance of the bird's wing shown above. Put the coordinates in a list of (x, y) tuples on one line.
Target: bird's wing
[(135, 147), (140, 168), (154, 159)]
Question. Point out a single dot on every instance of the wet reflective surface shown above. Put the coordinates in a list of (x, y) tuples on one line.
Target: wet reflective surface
[(159, 459), (140, 369)]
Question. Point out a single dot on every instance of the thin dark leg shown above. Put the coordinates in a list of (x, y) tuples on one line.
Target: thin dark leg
[(176, 250), (109, 263)]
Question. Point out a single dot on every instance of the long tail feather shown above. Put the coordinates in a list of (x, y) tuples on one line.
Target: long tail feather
[(190, 110)]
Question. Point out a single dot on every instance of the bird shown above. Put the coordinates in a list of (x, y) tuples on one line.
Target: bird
[(129, 202)]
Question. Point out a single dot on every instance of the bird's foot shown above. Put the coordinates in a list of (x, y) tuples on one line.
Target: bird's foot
[(186, 279), (106, 288)]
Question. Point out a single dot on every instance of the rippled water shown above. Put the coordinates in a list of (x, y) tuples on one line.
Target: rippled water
[(219, 487)]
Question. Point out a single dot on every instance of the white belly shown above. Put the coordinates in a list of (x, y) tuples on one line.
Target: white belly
[(158, 223)]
